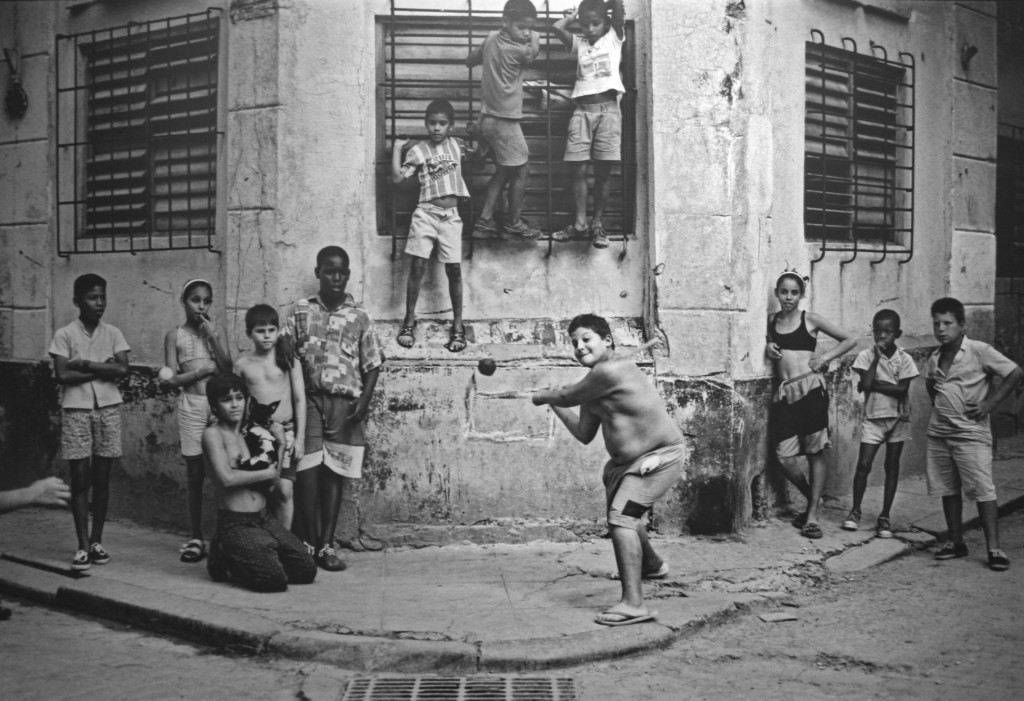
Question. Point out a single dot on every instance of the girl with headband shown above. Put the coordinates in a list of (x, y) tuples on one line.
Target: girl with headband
[(193, 351), (799, 417)]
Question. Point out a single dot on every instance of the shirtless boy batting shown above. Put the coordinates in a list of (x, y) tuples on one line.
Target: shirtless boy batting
[(645, 446)]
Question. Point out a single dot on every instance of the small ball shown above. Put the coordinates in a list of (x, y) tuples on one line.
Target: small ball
[(487, 366), (165, 374)]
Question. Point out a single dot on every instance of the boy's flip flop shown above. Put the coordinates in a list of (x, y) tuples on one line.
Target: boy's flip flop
[(613, 618)]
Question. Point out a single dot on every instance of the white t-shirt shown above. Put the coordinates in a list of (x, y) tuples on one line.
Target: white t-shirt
[(899, 367), (597, 64)]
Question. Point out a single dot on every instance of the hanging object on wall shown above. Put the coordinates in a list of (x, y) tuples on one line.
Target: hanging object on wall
[(16, 100)]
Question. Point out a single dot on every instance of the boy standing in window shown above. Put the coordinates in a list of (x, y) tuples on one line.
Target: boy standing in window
[(436, 220), (504, 54), (595, 130)]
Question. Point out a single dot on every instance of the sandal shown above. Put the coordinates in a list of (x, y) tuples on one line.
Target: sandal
[(457, 338), (800, 520), (193, 551), (408, 332), (811, 530), (998, 561)]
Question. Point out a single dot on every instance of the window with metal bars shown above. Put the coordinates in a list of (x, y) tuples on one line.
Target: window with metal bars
[(858, 149), (1010, 202), (137, 136), (422, 54)]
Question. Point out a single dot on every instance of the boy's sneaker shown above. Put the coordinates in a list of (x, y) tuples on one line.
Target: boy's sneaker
[(998, 561), (883, 528), (598, 236), (81, 560), (485, 228), (310, 549), (951, 550), (328, 560), (97, 555), (520, 231), (852, 521)]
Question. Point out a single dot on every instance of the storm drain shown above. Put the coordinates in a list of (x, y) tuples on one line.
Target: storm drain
[(461, 689)]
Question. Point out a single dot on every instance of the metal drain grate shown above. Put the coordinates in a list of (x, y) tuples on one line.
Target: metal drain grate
[(461, 689)]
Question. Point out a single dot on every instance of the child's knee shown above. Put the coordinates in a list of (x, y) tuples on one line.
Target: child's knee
[(454, 271)]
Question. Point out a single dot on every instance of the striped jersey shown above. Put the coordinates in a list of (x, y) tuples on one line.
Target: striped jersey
[(439, 166)]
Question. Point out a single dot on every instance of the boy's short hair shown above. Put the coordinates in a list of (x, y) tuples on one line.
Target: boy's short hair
[(890, 314), (950, 305), (597, 6), (440, 107), (84, 283), (331, 252), (261, 315), (597, 324), (519, 9), (220, 384)]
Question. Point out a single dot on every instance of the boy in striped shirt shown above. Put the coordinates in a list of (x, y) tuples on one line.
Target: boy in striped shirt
[(436, 220)]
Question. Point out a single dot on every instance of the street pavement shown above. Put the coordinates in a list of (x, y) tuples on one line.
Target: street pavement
[(466, 608)]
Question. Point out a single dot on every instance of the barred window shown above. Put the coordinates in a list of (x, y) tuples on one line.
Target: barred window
[(137, 136), (858, 152), (421, 58)]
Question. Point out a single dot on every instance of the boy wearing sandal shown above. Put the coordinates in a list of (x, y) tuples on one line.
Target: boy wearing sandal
[(645, 446), (595, 129), (435, 221), (959, 454)]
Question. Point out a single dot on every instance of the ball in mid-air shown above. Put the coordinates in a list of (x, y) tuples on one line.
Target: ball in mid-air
[(487, 366), (165, 374)]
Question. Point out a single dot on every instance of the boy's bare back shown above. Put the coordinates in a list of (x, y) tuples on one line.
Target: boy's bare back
[(267, 383)]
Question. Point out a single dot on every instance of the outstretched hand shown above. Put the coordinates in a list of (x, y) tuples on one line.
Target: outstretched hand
[(51, 491)]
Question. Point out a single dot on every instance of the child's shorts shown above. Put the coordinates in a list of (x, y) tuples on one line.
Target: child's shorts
[(85, 432), (331, 439), (891, 430), (632, 489), (595, 133), (435, 225), (505, 137), (194, 415), (955, 464), (799, 417)]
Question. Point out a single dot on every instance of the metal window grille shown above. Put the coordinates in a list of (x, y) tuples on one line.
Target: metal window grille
[(859, 150), (137, 138), (421, 58), (1010, 202), (425, 688)]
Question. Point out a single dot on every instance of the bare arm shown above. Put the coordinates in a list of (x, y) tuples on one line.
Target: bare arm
[(475, 57), (846, 342), (180, 379), (534, 47), (219, 466), (51, 491), (561, 27), (618, 17), (298, 409), (594, 385), (218, 343), (986, 407), (76, 371), (396, 161), (363, 405), (583, 427)]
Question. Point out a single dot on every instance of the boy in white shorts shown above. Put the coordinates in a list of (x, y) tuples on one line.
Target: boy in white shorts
[(435, 221), (959, 382), (885, 372)]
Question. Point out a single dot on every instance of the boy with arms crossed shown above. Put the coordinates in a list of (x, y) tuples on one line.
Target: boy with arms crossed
[(645, 446), (504, 54), (248, 546), (595, 129), (959, 382), (336, 342), (885, 372), (89, 356), (273, 376), (436, 218)]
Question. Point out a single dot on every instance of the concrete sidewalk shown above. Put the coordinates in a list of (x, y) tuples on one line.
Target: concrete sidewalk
[(466, 608)]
